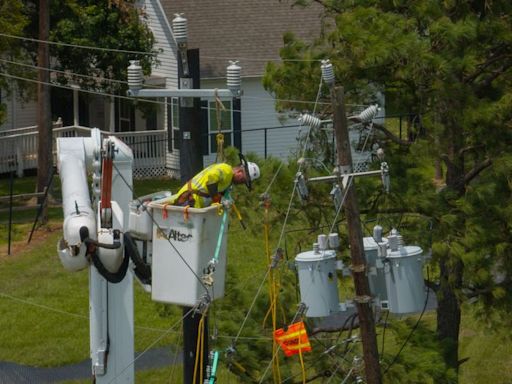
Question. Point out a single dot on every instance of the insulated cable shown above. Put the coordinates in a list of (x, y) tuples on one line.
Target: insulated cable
[(152, 344), (412, 330), (78, 46)]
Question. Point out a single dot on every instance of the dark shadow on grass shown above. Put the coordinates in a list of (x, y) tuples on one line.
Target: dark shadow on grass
[(12, 373)]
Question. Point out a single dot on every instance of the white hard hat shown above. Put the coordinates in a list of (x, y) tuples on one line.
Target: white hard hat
[(254, 170)]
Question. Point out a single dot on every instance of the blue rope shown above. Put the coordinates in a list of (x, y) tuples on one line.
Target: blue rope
[(214, 367)]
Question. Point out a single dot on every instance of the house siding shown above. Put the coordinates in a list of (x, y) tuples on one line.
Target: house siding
[(258, 111), (19, 114), (164, 41), (167, 67)]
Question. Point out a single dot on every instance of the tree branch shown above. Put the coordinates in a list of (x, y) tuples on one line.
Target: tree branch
[(327, 6), (447, 161), (391, 136), (483, 67), (476, 170), (487, 82), (469, 148), (430, 284)]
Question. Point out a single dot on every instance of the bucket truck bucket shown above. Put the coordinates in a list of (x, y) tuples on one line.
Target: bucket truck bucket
[(185, 241)]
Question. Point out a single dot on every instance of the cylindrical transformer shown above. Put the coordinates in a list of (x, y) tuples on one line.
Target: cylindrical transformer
[(318, 282), (404, 280), (375, 268)]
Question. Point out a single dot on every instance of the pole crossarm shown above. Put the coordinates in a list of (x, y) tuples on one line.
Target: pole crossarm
[(345, 176), (226, 93)]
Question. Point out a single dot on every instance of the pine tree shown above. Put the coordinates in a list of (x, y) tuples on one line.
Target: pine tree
[(450, 64)]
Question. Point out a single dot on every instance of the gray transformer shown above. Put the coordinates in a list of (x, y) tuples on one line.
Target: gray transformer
[(318, 282), (375, 267), (404, 280)]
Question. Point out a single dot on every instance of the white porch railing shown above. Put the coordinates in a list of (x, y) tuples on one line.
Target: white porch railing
[(18, 148)]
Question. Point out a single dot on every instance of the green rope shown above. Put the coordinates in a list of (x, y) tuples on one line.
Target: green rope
[(214, 367)]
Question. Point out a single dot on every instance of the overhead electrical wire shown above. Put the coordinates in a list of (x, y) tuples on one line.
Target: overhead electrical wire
[(282, 231), (89, 47), (180, 321), (68, 73), (140, 100), (261, 59), (295, 317), (286, 219), (289, 206), (395, 358), (63, 72), (141, 327), (80, 90), (118, 96)]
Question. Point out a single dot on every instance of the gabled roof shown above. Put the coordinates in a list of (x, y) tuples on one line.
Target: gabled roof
[(248, 30)]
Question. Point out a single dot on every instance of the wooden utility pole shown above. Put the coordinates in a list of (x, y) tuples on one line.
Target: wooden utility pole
[(191, 162), (45, 139), (355, 234), (191, 156)]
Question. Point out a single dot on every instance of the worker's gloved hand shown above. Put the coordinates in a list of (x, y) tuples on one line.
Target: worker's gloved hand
[(216, 198), (214, 193)]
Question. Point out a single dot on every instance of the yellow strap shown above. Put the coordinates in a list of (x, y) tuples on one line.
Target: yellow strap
[(237, 212), (301, 359), (219, 137), (199, 351)]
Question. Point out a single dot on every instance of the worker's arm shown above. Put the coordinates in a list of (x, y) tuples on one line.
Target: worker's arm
[(214, 192)]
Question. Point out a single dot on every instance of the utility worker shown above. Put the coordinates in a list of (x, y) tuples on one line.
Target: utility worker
[(209, 185)]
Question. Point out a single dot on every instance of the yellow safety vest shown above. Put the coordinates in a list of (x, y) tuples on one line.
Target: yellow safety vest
[(220, 174)]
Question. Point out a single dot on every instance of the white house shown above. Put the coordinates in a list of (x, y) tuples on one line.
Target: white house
[(223, 30), (248, 31)]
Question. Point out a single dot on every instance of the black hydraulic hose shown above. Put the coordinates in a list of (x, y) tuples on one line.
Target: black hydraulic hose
[(93, 245), (111, 277), (142, 270)]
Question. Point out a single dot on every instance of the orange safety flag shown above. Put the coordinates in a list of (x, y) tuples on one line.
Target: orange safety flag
[(293, 340)]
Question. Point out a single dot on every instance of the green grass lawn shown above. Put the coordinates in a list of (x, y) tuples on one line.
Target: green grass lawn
[(44, 309)]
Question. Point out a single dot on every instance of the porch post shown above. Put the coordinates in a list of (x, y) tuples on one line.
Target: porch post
[(76, 120), (112, 115)]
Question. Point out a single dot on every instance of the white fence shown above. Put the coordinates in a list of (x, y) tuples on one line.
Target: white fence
[(18, 148)]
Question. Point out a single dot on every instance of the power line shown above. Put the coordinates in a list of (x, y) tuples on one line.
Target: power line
[(153, 344), (67, 73), (260, 59), (141, 99), (81, 90), (77, 46), (63, 72), (152, 53), (145, 328)]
